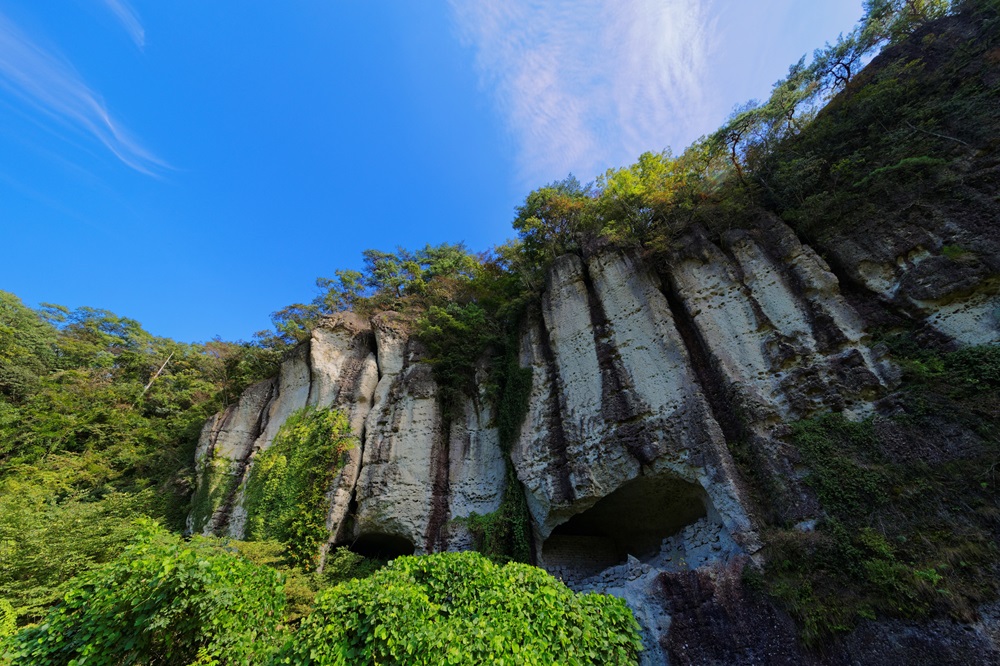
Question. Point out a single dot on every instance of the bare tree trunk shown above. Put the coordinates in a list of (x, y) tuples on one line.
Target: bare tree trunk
[(157, 374)]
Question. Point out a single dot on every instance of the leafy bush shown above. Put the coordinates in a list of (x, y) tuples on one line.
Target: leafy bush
[(286, 494), (456, 338), (8, 619), (838, 453), (504, 535), (460, 608), (44, 543), (301, 586), (162, 602)]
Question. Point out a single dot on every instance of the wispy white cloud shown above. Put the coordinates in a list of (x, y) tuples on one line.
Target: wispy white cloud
[(129, 19), (49, 85), (584, 84)]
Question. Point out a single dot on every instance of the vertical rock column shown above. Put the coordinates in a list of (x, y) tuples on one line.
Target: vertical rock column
[(395, 491), (776, 338), (419, 473), (614, 397), (223, 456), (347, 382), (335, 368)]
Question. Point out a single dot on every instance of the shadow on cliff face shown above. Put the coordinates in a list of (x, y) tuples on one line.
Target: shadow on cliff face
[(382, 546), (717, 617), (633, 520)]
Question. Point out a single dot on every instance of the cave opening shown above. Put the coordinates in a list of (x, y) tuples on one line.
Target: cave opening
[(633, 520), (382, 546)]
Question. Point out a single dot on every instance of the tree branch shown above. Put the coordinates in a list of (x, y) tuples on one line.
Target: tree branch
[(940, 136)]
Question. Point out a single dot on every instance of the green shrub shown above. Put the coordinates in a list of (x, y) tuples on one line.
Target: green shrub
[(163, 601), (301, 586), (286, 494), (839, 454), (45, 541), (457, 338), (8, 619), (505, 534), (905, 169), (460, 608)]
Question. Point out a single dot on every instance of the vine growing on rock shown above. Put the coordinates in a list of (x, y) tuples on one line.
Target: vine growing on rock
[(505, 534), (286, 493), (909, 500)]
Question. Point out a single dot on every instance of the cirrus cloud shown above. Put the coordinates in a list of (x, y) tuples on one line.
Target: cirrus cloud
[(583, 84), (129, 19), (50, 87)]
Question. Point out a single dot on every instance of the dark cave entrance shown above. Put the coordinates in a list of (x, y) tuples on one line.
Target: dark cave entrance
[(382, 546), (633, 520)]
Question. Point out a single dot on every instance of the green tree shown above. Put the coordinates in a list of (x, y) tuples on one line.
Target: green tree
[(552, 221), (27, 348), (341, 293), (636, 200)]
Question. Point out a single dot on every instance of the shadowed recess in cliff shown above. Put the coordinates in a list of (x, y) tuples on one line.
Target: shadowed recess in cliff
[(633, 520), (382, 546)]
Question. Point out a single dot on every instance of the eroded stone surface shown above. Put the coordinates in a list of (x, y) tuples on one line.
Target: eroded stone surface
[(421, 473), (635, 407), (395, 489), (642, 377), (223, 453), (945, 269)]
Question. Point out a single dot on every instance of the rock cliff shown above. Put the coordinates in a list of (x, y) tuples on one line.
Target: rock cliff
[(644, 374)]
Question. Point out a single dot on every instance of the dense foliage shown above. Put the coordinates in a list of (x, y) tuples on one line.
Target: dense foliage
[(302, 585), (912, 136), (460, 608), (163, 601), (286, 494), (98, 423)]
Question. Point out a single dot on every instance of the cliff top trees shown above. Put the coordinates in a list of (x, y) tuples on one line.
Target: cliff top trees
[(754, 129)]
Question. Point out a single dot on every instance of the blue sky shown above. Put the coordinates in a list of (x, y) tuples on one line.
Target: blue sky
[(197, 165)]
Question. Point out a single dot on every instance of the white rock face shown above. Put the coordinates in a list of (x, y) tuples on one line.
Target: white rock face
[(418, 474), (346, 381), (973, 320), (404, 432), (613, 397), (476, 470), (945, 276), (223, 452), (620, 390), (775, 324), (643, 376), (411, 473)]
